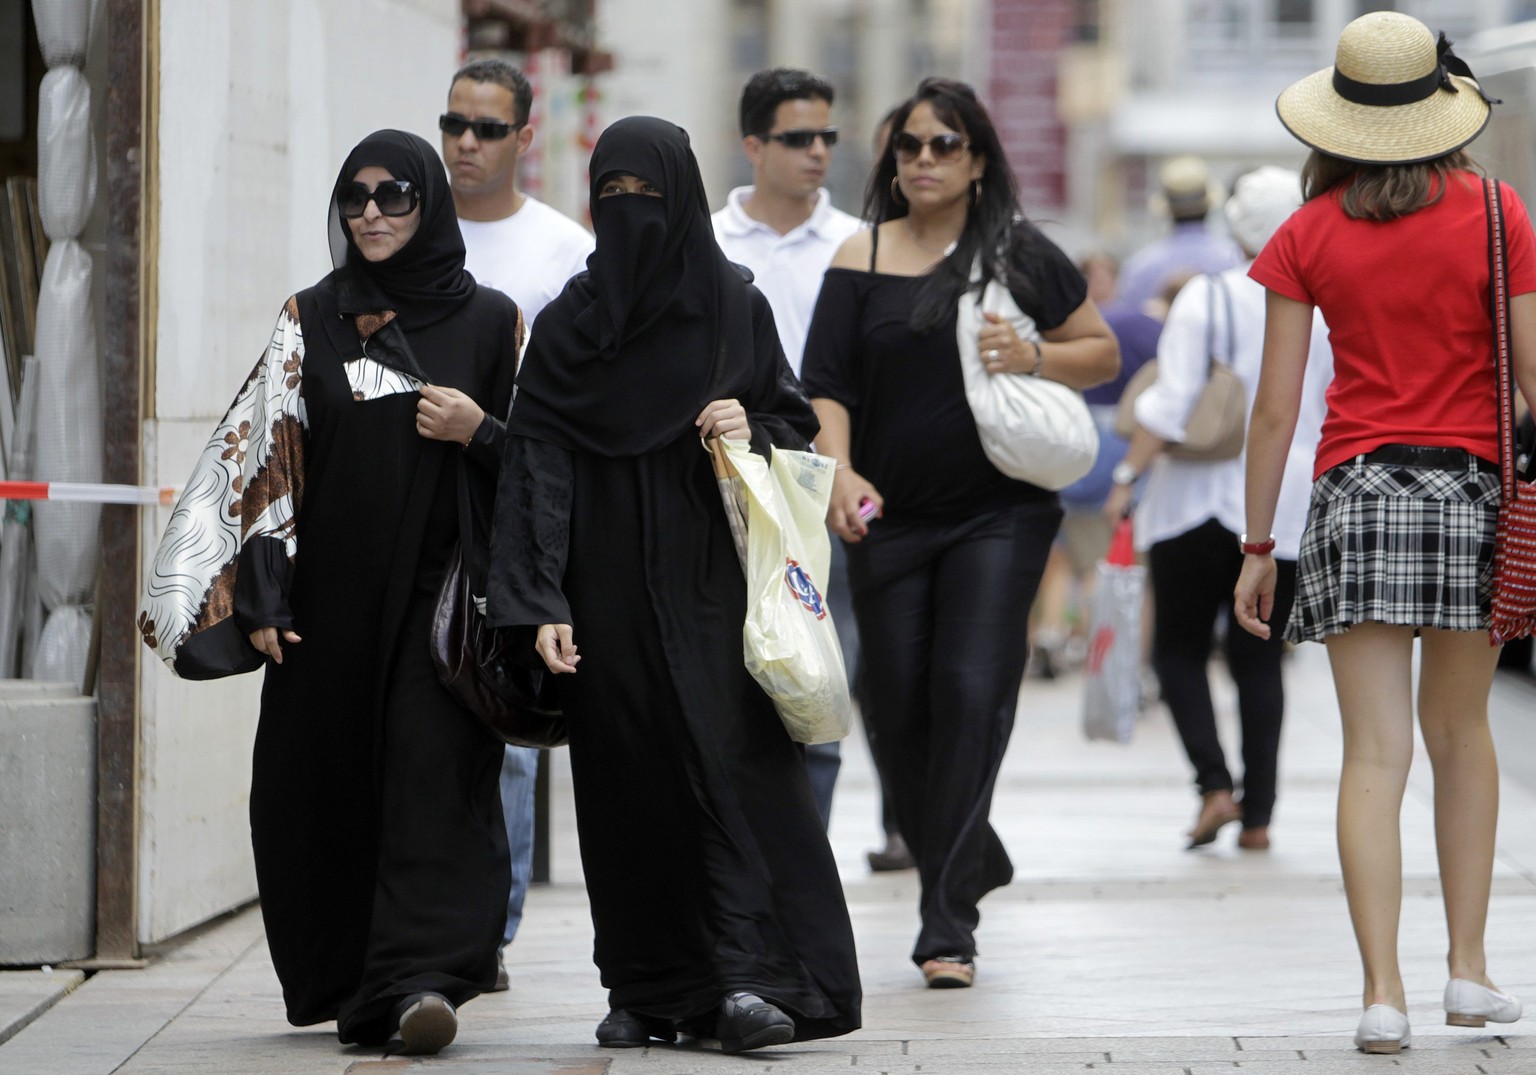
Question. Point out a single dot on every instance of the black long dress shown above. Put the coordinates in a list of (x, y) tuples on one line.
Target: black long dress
[(705, 860), (375, 814), (376, 820)]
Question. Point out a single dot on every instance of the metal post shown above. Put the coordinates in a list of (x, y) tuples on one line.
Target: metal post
[(128, 26)]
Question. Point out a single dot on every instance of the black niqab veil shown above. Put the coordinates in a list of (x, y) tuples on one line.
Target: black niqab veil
[(623, 361), (424, 281)]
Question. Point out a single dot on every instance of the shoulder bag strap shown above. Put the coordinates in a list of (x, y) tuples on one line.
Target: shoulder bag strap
[(1210, 325), (1498, 293)]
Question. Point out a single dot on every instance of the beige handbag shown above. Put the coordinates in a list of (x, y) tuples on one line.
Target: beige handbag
[(1215, 428)]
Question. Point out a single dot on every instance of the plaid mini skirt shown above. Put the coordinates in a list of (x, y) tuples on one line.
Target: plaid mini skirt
[(1396, 543)]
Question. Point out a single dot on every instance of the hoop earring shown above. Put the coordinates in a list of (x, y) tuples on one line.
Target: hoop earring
[(976, 190), (896, 191)]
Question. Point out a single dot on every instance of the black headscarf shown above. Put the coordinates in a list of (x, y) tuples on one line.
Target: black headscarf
[(623, 361), (424, 281)]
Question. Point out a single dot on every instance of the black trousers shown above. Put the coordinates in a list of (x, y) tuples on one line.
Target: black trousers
[(1192, 579), (943, 611)]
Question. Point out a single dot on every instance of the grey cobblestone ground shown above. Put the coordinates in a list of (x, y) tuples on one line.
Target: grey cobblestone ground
[(1114, 950)]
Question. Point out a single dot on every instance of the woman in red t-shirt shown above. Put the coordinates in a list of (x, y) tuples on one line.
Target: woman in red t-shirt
[(1391, 245)]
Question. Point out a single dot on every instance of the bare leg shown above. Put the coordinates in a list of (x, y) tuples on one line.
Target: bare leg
[(1454, 680), (1373, 676)]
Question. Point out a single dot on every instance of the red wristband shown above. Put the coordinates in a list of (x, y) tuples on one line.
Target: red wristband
[(1256, 548)]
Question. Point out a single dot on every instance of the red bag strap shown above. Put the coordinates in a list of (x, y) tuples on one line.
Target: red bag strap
[(1498, 297)]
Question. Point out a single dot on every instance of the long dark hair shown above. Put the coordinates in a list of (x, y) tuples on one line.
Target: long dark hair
[(1382, 191), (995, 227)]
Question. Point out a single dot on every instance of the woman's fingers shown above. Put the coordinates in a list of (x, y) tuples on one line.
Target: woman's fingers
[(1253, 599), (555, 647), (265, 640), (723, 418)]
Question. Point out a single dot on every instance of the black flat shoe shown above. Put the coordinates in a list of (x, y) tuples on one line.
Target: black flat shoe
[(747, 1021), (621, 1029), (426, 1023)]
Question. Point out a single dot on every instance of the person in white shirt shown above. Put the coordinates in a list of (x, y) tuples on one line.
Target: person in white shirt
[(1190, 519), (513, 242), (785, 229), (523, 248)]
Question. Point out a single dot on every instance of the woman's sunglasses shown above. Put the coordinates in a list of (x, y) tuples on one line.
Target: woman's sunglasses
[(944, 147), (802, 139), (486, 130), (394, 197)]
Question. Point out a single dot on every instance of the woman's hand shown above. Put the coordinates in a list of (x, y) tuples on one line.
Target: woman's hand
[(266, 641), (849, 489), (1001, 349), (1118, 503), (1253, 599), (447, 414), (723, 418), (555, 646)]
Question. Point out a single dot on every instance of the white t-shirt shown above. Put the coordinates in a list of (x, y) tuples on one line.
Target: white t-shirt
[(788, 268), (528, 255)]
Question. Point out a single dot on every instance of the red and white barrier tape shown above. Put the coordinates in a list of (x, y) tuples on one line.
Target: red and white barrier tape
[(89, 492)]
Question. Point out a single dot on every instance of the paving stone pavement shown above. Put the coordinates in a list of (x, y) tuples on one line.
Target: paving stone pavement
[(1113, 951)]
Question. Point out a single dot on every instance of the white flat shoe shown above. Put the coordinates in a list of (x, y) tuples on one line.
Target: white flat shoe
[(1382, 1029), (1470, 1004)]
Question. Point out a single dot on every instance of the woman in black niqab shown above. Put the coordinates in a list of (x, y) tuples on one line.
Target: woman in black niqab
[(715, 900), (380, 848)]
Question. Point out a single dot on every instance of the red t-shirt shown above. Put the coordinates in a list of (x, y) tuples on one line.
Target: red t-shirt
[(1406, 303)]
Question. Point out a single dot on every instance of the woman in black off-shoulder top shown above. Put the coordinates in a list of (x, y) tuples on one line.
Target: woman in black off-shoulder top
[(943, 578)]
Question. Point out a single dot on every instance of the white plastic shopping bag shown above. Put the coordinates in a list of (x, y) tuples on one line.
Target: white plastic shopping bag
[(1112, 683), (789, 641)]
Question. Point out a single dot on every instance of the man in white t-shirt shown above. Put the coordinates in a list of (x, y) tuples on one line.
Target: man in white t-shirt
[(785, 229), (512, 241), (522, 247)]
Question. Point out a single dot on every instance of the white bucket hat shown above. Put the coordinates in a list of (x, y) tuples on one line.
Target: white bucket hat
[(1393, 96), (1261, 201)]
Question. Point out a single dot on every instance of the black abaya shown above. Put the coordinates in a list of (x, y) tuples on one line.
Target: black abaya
[(375, 813), (705, 859)]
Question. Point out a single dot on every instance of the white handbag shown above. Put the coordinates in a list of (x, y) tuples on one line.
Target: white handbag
[(1032, 429)]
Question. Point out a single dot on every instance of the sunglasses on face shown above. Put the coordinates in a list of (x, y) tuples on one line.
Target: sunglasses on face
[(394, 197), (944, 147), (802, 139), (487, 130)]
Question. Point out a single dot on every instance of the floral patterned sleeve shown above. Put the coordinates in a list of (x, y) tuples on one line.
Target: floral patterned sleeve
[(224, 564)]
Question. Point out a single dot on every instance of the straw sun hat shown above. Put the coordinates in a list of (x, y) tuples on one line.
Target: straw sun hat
[(1393, 96)]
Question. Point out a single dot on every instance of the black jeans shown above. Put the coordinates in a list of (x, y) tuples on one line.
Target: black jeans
[(1192, 580), (943, 612)]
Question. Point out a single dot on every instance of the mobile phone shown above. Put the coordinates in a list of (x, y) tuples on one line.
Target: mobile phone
[(868, 509)]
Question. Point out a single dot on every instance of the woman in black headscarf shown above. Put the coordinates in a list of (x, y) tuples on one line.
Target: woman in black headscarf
[(714, 895), (380, 850)]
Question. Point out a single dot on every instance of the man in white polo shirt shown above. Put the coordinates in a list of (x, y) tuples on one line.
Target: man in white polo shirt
[(785, 229), (520, 246)]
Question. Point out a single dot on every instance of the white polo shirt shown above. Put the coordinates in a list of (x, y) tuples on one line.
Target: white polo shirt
[(788, 268)]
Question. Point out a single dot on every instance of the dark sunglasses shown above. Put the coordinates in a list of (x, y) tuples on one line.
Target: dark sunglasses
[(944, 147), (394, 197), (487, 130), (802, 139)]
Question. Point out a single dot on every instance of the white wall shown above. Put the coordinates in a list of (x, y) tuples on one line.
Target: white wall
[(259, 104), (672, 60)]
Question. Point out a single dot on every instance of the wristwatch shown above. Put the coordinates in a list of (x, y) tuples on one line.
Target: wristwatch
[(1124, 474), (1256, 548)]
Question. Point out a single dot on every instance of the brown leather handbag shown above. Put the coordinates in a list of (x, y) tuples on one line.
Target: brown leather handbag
[(1218, 423)]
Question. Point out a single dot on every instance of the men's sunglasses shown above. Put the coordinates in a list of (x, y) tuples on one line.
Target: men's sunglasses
[(945, 147), (802, 139), (487, 130), (394, 197)]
